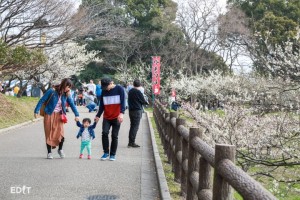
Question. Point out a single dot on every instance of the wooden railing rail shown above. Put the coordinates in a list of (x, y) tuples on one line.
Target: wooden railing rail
[(193, 160)]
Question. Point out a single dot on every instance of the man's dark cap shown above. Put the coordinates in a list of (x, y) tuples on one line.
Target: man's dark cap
[(105, 82)]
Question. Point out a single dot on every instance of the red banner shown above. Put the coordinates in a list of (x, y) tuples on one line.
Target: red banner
[(156, 74)]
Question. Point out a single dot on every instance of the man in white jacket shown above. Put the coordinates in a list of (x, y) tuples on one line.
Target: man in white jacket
[(90, 86)]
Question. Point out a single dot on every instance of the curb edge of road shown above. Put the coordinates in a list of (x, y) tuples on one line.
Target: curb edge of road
[(6, 130), (162, 182)]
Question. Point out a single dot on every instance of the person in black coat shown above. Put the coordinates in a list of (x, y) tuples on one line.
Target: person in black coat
[(136, 101)]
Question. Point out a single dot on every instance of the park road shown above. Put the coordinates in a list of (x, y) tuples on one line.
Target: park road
[(27, 174)]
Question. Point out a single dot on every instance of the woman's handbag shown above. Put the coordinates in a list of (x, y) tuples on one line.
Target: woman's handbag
[(64, 118), (42, 111)]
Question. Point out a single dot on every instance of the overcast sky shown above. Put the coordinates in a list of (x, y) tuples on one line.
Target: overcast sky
[(77, 3)]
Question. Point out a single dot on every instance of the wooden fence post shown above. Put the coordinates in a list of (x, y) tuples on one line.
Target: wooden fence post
[(155, 111), (172, 140), (167, 137), (193, 162), (205, 185), (221, 189), (184, 164), (170, 150), (158, 118), (163, 128), (178, 150)]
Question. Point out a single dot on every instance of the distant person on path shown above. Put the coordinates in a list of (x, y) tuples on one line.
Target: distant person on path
[(83, 89), (53, 124), (136, 101), (87, 134), (142, 89), (128, 87), (16, 90), (80, 97), (9, 92), (126, 96), (90, 86), (89, 98), (98, 92), (112, 103), (1, 88), (175, 105), (74, 95)]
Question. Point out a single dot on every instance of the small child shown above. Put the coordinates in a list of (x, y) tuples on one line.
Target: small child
[(87, 134)]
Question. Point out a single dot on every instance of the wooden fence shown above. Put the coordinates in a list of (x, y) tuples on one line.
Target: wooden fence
[(192, 161)]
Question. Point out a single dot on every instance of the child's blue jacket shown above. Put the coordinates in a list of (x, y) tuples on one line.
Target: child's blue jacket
[(90, 129)]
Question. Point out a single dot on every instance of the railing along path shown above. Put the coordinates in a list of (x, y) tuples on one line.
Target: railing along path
[(192, 161)]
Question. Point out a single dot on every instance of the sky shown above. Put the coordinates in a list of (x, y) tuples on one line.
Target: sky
[(77, 3), (222, 3)]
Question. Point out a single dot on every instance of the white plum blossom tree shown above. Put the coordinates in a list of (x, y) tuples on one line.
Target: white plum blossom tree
[(259, 115), (284, 60), (63, 61), (66, 60)]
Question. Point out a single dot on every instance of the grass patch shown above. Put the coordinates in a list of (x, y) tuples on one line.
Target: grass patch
[(282, 191), (190, 121), (219, 112), (297, 186), (174, 188), (149, 109), (15, 110), (237, 196)]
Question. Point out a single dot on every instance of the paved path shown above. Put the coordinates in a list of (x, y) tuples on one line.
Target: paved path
[(23, 164)]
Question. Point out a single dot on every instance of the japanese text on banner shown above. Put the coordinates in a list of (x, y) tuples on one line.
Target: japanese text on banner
[(156, 74)]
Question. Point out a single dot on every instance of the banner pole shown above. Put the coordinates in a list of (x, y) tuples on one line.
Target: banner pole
[(153, 100)]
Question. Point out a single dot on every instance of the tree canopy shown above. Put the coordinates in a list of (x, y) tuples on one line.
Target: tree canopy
[(277, 20), (274, 26), (19, 57), (135, 30)]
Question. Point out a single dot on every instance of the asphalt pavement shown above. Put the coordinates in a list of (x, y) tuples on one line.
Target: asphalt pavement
[(25, 173)]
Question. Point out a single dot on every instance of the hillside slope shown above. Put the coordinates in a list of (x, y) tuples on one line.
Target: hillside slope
[(15, 110)]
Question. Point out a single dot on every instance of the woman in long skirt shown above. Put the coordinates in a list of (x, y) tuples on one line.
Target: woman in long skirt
[(56, 99)]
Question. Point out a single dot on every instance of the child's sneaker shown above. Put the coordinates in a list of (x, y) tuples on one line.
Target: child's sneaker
[(49, 156), (80, 156), (105, 156), (112, 158), (89, 157), (61, 153)]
